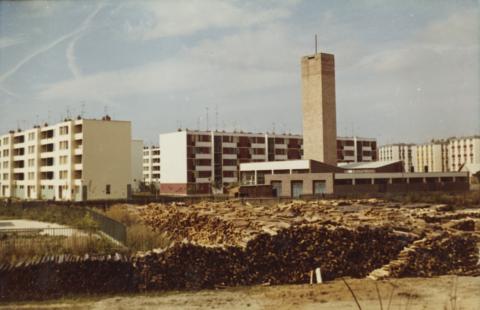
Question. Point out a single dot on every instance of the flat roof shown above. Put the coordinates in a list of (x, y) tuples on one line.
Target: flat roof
[(276, 165), (368, 165)]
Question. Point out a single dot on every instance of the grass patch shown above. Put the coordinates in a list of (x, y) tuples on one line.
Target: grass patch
[(140, 237), (466, 199)]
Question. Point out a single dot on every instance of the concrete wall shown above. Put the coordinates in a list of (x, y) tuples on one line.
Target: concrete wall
[(173, 163), (307, 180), (319, 111), (137, 163), (106, 158)]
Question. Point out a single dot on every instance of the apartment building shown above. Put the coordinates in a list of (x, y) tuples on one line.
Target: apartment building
[(356, 149), (443, 155), (401, 151), (151, 165), (463, 153), (200, 162), (78, 160)]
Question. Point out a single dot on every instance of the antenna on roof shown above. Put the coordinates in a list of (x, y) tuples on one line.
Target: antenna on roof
[(206, 120), (316, 45), (216, 117), (82, 110)]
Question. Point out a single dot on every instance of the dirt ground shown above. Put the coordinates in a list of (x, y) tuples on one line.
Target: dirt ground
[(447, 292)]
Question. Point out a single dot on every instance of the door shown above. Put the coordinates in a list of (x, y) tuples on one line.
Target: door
[(60, 192), (277, 188), (297, 189), (319, 188), (84, 193)]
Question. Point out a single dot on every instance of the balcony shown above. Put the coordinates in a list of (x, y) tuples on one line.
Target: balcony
[(48, 134), (203, 156), (203, 168), (229, 156), (203, 144)]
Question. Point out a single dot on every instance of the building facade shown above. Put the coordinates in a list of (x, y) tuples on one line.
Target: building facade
[(463, 153), (319, 107), (402, 151), (444, 155), (356, 149), (151, 165), (75, 160), (137, 164), (202, 162)]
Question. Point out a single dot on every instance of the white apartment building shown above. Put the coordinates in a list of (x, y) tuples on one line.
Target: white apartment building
[(151, 165), (431, 157), (444, 155), (78, 160), (199, 162), (402, 151), (464, 153)]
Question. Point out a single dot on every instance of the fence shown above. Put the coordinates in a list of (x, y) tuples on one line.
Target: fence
[(110, 227), (35, 240)]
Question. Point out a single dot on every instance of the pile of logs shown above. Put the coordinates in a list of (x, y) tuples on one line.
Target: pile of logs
[(56, 276), (287, 256), (438, 254)]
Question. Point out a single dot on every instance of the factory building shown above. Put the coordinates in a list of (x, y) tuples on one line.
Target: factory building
[(77, 160), (318, 174)]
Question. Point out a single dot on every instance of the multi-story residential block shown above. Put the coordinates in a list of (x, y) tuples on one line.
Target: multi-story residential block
[(200, 162), (78, 160), (401, 151), (444, 155), (151, 165), (463, 152), (356, 149), (431, 157)]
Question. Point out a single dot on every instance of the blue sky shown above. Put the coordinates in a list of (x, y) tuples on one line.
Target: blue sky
[(406, 71)]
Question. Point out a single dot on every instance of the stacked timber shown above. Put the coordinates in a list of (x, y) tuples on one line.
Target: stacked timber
[(56, 276), (437, 254), (284, 257)]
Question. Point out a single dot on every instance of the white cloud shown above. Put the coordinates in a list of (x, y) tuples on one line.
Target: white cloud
[(180, 17)]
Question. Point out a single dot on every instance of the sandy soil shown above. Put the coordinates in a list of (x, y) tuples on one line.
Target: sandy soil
[(448, 292)]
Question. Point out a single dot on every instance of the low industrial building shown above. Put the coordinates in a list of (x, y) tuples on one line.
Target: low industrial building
[(309, 178), (76, 160)]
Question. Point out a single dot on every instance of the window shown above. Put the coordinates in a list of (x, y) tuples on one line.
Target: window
[(31, 162), (107, 189), (63, 174), (31, 175), (5, 176), (31, 136), (5, 153), (5, 164), (64, 145), (5, 140), (31, 149), (63, 160), (64, 130)]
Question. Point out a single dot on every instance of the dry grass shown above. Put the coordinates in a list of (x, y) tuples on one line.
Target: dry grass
[(17, 249), (140, 237)]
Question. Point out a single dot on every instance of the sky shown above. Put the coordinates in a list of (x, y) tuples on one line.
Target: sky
[(406, 71)]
